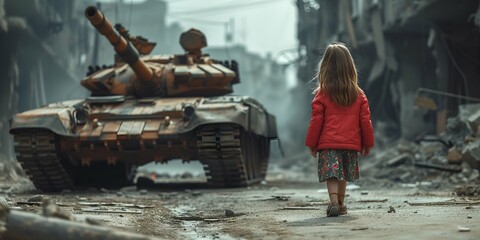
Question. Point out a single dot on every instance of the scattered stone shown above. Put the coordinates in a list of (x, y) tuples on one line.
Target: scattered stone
[(143, 191), (400, 159), (415, 212), (391, 209), (471, 154), (4, 203), (52, 210), (469, 139), (469, 217), (229, 213), (93, 221), (468, 207), (454, 156), (474, 175), (120, 193), (36, 198), (364, 193), (463, 229), (129, 189), (467, 190), (263, 182), (474, 121), (196, 193)]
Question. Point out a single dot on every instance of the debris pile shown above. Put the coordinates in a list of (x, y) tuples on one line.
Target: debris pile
[(10, 171), (451, 158)]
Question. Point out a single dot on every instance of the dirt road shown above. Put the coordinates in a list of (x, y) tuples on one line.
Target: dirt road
[(272, 210)]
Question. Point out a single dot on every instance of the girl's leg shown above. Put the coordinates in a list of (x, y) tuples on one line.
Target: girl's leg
[(333, 209), (332, 187), (342, 188)]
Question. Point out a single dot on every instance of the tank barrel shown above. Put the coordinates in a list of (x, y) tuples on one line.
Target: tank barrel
[(122, 46)]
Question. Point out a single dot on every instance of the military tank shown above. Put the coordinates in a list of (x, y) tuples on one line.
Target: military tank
[(146, 108)]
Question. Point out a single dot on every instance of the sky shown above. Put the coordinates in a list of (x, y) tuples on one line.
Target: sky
[(264, 26)]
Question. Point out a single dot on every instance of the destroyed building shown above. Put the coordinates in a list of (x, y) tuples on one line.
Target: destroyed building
[(399, 46), (407, 52), (44, 49)]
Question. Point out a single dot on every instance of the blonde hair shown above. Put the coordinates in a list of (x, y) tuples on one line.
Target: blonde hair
[(337, 75)]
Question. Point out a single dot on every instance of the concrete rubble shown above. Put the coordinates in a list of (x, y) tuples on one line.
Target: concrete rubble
[(451, 158), (54, 222)]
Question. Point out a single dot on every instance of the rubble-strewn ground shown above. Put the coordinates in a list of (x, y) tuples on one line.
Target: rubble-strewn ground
[(276, 209), (429, 189)]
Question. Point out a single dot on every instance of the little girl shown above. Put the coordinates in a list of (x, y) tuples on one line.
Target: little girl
[(340, 126)]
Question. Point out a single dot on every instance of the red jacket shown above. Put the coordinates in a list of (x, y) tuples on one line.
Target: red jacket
[(335, 127)]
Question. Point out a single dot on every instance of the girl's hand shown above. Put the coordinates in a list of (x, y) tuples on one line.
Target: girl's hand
[(313, 151), (365, 151)]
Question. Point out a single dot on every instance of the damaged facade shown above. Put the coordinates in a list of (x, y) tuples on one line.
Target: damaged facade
[(401, 48), (44, 48)]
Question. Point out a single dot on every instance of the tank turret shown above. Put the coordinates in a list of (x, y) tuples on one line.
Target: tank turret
[(145, 84), (121, 45), (182, 75)]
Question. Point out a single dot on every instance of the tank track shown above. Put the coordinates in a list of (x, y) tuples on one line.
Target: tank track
[(37, 153), (230, 158)]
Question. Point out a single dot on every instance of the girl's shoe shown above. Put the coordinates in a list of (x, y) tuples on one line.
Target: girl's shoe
[(342, 210), (333, 210)]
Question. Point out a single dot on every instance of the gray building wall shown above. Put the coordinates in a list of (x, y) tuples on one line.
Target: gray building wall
[(399, 46)]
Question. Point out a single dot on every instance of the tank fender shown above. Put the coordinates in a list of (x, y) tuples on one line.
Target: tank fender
[(272, 126), (207, 117), (57, 120)]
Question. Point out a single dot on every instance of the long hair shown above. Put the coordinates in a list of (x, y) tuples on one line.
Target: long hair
[(337, 75)]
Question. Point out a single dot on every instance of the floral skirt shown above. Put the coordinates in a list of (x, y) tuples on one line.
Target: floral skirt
[(338, 163)]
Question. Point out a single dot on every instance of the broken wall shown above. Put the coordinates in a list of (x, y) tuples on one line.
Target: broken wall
[(44, 48), (399, 46)]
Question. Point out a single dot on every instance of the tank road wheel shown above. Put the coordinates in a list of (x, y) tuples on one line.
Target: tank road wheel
[(231, 156), (37, 152)]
